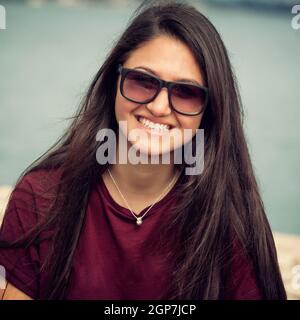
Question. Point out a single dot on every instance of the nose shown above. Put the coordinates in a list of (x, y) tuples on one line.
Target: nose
[(160, 105)]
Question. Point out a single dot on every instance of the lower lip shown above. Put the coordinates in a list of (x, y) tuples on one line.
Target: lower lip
[(152, 131)]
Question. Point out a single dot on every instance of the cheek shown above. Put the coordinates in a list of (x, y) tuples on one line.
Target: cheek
[(118, 107), (190, 122), (122, 107)]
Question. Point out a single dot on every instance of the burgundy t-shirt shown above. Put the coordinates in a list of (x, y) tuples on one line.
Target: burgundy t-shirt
[(110, 261)]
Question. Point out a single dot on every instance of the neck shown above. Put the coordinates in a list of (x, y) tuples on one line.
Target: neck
[(150, 179)]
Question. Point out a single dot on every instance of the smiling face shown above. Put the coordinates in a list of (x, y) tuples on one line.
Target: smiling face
[(170, 60)]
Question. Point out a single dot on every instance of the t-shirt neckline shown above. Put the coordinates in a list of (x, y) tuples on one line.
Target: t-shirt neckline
[(125, 212)]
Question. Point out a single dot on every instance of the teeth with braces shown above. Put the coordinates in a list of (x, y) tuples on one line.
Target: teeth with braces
[(154, 126)]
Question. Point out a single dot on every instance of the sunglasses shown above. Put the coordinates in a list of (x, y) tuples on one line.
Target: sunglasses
[(141, 87)]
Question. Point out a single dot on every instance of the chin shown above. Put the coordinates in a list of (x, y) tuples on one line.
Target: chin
[(154, 150)]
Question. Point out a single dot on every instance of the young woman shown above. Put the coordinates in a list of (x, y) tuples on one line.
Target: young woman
[(76, 228)]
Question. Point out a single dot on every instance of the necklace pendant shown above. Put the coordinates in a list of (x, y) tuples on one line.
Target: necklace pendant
[(139, 221)]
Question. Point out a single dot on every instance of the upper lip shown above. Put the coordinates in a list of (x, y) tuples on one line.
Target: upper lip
[(155, 120)]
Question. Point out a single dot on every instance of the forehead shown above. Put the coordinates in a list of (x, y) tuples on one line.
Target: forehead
[(170, 58)]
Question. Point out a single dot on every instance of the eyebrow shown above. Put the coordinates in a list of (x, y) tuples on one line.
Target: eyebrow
[(157, 75)]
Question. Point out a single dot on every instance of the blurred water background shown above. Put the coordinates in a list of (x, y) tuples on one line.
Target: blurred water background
[(50, 51)]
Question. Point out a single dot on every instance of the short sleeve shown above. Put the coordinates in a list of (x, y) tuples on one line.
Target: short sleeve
[(21, 265), (242, 282)]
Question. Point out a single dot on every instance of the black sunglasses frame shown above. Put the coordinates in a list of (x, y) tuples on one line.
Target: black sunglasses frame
[(162, 84)]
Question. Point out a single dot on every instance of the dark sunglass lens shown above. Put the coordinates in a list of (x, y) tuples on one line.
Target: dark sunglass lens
[(139, 86), (188, 98)]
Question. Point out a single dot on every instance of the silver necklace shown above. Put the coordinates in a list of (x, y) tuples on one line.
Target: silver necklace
[(139, 220)]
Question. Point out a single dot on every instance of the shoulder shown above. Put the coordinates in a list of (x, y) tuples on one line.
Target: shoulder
[(29, 200), (39, 181)]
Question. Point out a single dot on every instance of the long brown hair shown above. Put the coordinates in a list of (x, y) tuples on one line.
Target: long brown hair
[(214, 207)]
